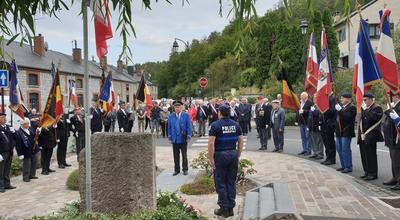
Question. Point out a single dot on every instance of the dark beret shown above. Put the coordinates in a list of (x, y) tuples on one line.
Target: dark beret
[(369, 95), (224, 109), (177, 103), (346, 95)]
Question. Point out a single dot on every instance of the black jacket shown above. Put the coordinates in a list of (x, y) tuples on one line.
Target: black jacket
[(244, 112), (345, 121), (314, 120), (235, 112), (213, 112), (390, 130), (370, 117), (202, 113), (123, 120), (329, 117), (96, 123), (47, 138), (78, 126), (7, 139), (263, 114), (303, 117), (63, 128), (26, 143)]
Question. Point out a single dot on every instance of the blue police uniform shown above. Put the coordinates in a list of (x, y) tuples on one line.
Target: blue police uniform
[(226, 132)]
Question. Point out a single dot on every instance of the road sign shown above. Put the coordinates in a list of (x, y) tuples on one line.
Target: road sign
[(203, 81), (4, 78)]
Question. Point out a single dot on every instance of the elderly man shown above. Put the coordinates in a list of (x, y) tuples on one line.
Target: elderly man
[(234, 112), (263, 114), (96, 121), (212, 111), (123, 118), (369, 133), (26, 149), (302, 118), (244, 115), (278, 125), (35, 119), (202, 117), (78, 129), (7, 143)]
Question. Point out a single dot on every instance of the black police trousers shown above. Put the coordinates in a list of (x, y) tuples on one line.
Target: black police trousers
[(178, 148), (226, 167)]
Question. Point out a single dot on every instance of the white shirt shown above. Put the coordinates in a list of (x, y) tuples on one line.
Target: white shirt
[(26, 130)]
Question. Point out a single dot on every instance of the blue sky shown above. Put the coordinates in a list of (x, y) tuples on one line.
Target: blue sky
[(156, 28)]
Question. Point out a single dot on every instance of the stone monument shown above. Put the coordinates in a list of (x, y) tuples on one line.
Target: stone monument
[(123, 173)]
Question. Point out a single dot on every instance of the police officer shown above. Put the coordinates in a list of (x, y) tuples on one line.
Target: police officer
[(7, 143), (225, 144)]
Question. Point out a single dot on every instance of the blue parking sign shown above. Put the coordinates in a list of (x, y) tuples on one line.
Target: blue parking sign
[(4, 78)]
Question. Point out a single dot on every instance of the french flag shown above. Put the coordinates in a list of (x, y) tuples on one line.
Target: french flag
[(324, 87), (108, 95), (385, 55), (311, 80), (366, 70), (102, 26), (72, 93)]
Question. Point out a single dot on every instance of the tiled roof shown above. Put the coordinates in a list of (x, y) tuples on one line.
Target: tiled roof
[(25, 57)]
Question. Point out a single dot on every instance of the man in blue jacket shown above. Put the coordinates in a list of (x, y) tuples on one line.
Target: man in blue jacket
[(179, 133)]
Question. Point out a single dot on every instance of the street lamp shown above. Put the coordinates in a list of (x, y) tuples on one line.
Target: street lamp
[(175, 45), (303, 27)]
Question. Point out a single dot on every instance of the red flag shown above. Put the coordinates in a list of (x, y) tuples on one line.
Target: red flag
[(311, 80), (324, 88), (102, 26)]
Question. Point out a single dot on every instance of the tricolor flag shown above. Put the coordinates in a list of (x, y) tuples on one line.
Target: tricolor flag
[(324, 87), (107, 96), (143, 94), (366, 70), (102, 26), (16, 99), (73, 97), (311, 80), (54, 108), (385, 55), (289, 98)]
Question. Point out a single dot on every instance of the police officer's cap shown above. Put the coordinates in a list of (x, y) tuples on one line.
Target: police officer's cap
[(369, 95), (177, 103), (224, 109), (3, 114), (346, 95)]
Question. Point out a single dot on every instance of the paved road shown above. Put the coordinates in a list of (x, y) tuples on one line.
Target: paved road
[(293, 146)]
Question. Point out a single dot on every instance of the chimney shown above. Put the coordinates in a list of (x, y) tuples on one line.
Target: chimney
[(38, 46), (120, 65), (77, 53), (103, 62), (131, 70)]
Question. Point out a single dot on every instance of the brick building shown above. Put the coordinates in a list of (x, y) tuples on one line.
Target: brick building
[(35, 80)]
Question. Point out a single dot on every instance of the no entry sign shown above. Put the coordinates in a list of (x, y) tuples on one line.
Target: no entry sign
[(203, 81)]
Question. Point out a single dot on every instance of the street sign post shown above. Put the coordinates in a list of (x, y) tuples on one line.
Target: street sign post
[(4, 77), (203, 82)]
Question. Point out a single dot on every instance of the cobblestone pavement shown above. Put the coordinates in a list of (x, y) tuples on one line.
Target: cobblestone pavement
[(316, 190)]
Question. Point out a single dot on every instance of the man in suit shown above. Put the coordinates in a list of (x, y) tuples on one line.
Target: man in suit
[(179, 133), (96, 119), (7, 143), (264, 121), (35, 119), (346, 116), (328, 132), (369, 133), (278, 125), (123, 118), (314, 128), (47, 142), (26, 149), (212, 111), (301, 118), (202, 118), (392, 141), (244, 115), (78, 129), (234, 112), (62, 131), (109, 121)]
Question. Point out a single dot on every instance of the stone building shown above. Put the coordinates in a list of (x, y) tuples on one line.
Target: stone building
[(35, 78), (347, 32)]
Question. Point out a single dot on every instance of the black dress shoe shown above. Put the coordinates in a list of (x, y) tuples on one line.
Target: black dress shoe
[(230, 212), (313, 156), (33, 177), (329, 163), (369, 178), (45, 173), (319, 157), (67, 165), (340, 169), (61, 166), (391, 182), (185, 172), (28, 180), (10, 187), (175, 173), (222, 212), (395, 187), (51, 171), (301, 153)]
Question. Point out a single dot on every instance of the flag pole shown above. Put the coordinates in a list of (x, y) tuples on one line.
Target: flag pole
[(88, 151)]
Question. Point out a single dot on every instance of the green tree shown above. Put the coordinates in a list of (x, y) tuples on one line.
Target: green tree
[(332, 40)]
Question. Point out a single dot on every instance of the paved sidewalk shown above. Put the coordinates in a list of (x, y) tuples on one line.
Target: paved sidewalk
[(316, 190)]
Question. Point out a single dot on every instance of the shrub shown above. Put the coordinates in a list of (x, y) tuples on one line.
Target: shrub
[(202, 185), (290, 118), (202, 162), (73, 180), (245, 168), (16, 166)]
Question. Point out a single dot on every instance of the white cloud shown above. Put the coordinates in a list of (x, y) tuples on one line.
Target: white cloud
[(156, 28)]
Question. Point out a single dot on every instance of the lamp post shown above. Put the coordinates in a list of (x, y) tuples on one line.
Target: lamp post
[(175, 47), (303, 27)]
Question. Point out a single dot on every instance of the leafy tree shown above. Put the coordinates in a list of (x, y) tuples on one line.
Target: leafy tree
[(332, 40)]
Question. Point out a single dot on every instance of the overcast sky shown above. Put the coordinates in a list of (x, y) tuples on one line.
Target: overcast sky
[(155, 29)]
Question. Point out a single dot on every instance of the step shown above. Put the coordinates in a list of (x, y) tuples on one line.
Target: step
[(283, 199), (267, 202), (251, 206)]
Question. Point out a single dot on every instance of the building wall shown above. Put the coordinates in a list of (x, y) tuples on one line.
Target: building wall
[(347, 47)]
